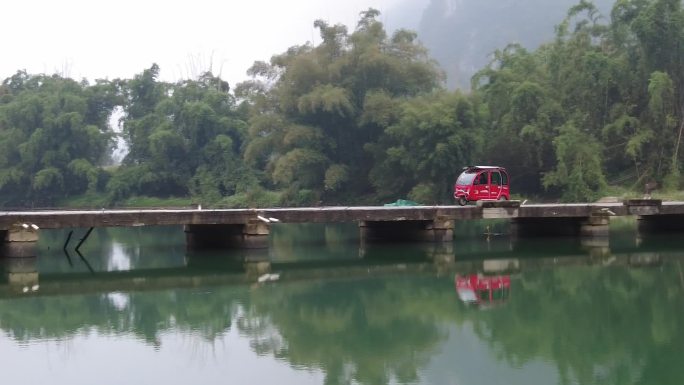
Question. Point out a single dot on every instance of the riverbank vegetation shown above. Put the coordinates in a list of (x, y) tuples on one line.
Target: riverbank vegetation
[(363, 118)]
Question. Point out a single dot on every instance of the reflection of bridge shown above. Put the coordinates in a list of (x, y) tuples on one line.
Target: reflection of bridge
[(195, 275), (378, 260)]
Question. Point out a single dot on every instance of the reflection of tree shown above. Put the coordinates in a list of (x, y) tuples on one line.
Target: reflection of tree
[(146, 315), (597, 324), (369, 330), (43, 318), (609, 325)]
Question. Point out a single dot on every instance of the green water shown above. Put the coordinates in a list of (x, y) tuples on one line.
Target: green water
[(136, 308)]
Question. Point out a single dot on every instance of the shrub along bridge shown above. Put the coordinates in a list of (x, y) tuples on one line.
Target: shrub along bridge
[(249, 228)]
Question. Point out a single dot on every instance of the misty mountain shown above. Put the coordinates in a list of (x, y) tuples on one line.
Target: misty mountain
[(405, 14), (462, 34)]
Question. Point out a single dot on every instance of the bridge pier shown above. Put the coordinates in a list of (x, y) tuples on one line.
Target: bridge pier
[(251, 235), (596, 226), (438, 230), (19, 241), (18, 252), (650, 220)]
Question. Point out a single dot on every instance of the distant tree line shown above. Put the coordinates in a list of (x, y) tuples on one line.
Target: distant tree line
[(364, 117)]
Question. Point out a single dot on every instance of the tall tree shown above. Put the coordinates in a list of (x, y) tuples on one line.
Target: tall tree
[(53, 137), (648, 36), (184, 138), (316, 122), (421, 152)]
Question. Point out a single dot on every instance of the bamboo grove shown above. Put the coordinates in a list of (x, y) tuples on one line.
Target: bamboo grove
[(364, 117)]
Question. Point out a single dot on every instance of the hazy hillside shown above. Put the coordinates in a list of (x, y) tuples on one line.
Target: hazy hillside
[(405, 14), (461, 34)]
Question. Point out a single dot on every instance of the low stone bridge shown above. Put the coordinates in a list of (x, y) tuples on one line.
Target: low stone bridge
[(250, 228)]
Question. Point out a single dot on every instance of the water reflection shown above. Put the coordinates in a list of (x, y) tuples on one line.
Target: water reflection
[(118, 258), (483, 291), (566, 312)]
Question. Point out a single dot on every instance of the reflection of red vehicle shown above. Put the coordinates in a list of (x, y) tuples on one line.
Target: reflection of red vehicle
[(482, 182), (483, 290)]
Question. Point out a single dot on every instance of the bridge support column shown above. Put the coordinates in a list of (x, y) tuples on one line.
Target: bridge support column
[(251, 235), (439, 230), (18, 249), (19, 241), (650, 220), (596, 226)]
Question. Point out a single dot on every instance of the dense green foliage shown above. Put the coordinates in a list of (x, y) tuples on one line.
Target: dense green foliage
[(364, 117), (53, 137), (184, 139), (312, 127)]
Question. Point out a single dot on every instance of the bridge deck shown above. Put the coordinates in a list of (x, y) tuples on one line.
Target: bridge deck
[(158, 217)]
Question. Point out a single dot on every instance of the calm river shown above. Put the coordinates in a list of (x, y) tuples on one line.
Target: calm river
[(136, 308)]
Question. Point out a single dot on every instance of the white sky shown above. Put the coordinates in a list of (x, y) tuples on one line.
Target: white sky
[(109, 39)]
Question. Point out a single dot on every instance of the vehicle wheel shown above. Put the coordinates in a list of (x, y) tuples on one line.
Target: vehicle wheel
[(462, 200)]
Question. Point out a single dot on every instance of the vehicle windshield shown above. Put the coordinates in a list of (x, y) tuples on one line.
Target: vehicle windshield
[(466, 178)]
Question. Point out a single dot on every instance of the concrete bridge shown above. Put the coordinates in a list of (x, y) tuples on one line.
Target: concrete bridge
[(250, 228)]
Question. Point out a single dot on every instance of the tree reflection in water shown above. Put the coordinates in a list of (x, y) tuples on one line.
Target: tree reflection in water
[(612, 320)]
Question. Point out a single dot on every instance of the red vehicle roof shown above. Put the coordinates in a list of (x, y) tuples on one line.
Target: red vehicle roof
[(483, 168)]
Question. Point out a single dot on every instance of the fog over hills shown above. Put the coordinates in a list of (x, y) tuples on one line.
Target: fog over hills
[(406, 14), (462, 34)]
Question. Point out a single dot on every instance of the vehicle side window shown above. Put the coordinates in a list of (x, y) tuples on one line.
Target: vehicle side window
[(482, 178), (504, 178), (496, 178)]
